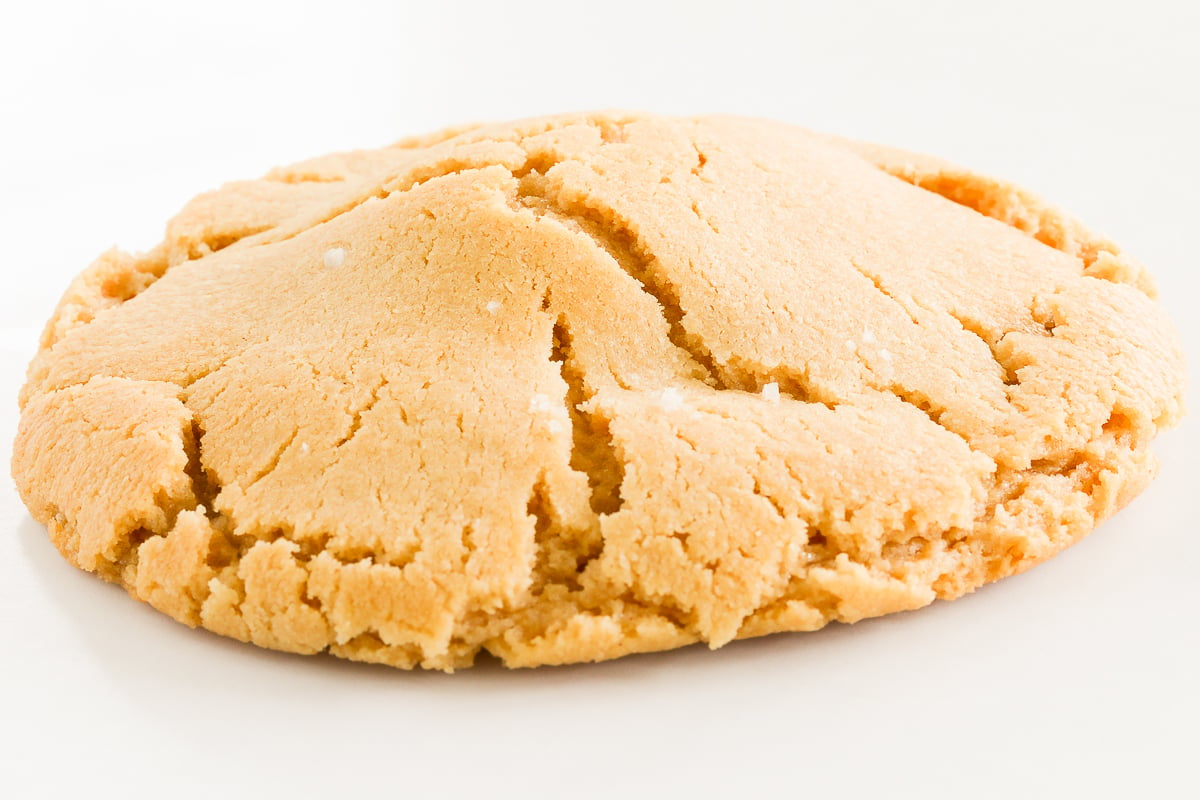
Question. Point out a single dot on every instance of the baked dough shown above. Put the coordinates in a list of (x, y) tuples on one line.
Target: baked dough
[(577, 387)]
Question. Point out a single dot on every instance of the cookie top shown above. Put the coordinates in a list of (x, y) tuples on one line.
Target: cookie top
[(576, 387)]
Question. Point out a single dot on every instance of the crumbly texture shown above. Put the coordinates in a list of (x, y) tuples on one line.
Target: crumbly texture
[(571, 388)]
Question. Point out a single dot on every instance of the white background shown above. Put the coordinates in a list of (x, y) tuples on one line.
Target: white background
[(1076, 679)]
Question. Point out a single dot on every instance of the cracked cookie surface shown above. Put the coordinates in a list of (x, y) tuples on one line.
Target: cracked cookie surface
[(583, 386)]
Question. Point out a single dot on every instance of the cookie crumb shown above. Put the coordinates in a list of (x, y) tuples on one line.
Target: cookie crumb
[(770, 392), (493, 306), (335, 257)]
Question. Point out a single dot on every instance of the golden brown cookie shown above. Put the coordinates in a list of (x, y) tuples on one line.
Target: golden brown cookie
[(576, 387)]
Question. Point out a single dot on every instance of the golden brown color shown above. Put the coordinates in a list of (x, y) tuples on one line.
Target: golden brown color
[(583, 386)]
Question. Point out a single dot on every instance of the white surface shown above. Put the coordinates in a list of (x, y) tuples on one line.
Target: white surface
[(1076, 679)]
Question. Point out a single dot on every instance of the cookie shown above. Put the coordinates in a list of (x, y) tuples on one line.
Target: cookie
[(571, 388)]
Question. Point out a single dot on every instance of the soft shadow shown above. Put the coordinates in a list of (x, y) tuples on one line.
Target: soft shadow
[(136, 644)]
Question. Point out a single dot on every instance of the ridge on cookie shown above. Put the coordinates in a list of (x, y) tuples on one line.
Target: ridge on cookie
[(576, 387)]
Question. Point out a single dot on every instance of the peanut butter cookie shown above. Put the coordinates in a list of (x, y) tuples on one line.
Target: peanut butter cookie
[(577, 387)]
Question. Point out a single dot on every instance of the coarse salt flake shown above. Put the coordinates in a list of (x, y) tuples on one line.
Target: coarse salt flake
[(868, 336), (335, 257), (770, 392), (493, 306), (540, 403), (670, 399), (885, 355)]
